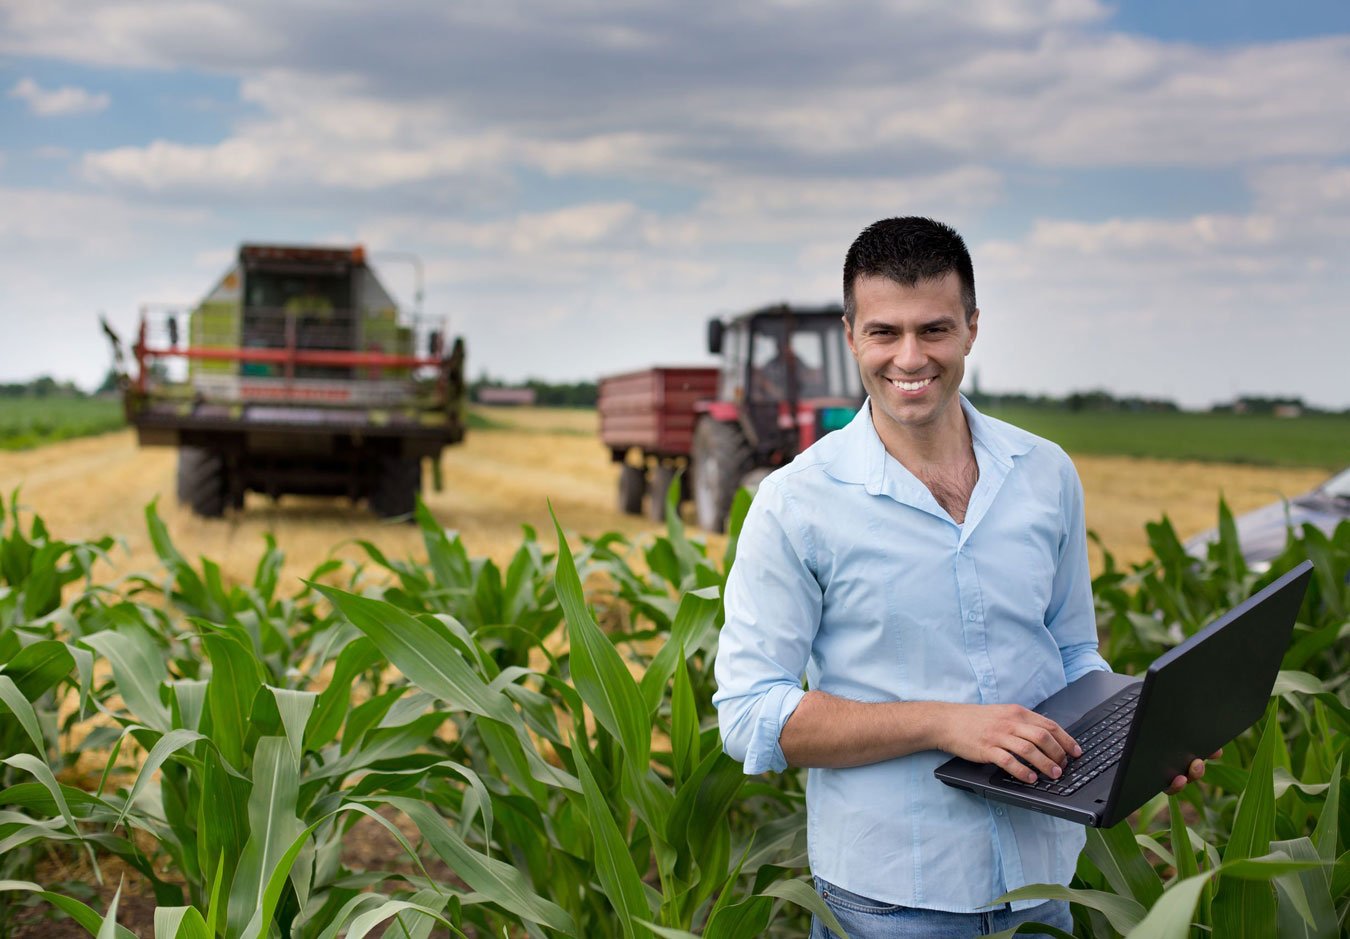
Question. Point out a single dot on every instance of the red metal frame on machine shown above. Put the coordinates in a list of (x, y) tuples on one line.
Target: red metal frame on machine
[(289, 357)]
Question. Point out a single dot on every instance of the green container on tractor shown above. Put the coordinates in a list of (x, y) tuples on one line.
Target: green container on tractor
[(299, 375)]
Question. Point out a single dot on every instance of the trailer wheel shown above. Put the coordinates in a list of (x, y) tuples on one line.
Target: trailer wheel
[(201, 481), (721, 456), (662, 477), (632, 486), (397, 483)]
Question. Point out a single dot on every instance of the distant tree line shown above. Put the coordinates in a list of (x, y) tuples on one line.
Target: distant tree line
[(1093, 400), (580, 394), (42, 387), (1099, 400)]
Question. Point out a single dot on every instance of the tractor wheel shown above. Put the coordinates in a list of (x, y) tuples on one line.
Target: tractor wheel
[(721, 456), (662, 477), (397, 483), (201, 481), (632, 486)]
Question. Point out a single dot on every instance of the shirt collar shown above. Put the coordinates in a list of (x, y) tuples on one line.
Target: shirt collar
[(861, 457)]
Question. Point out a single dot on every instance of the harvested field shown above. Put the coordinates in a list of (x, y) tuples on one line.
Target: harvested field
[(501, 478)]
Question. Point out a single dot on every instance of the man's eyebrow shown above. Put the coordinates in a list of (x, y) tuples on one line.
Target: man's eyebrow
[(941, 321)]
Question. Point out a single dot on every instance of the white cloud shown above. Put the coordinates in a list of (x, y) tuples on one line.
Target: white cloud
[(1196, 309), (58, 102)]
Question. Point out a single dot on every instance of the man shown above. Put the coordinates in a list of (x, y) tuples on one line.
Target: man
[(926, 568)]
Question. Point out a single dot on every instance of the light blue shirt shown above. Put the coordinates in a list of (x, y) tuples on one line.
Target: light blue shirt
[(849, 572)]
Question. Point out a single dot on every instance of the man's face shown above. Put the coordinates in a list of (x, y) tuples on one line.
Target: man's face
[(911, 345)]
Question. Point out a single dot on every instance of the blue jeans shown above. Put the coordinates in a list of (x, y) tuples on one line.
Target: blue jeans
[(872, 919)]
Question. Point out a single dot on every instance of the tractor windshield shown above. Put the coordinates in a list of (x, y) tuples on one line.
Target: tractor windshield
[(815, 354)]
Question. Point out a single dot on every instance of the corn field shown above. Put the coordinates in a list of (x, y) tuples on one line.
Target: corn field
[(539, 740)]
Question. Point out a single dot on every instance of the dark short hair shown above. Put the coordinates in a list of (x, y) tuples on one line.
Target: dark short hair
[(908, 250)]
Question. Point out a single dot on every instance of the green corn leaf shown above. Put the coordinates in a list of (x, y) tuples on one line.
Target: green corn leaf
[(684, 736), (1183, 856), (618, 875), (1230, 550), (1123, 913), (497, 881), (695, 616), (189, 698), (84, 666), (236, 678), (215, 909), (1117, 855), (108, 928), (164, 748), (79, 912), (272, 826), (1325, 836), (740, 507), (38, 768), (1305, 908), (1245, 908), (745, 919), (138, 668), (12, 698), (335, 700), (419, 652), (667, 932), (180, 922), (222, 826), (804, 895), (1291, 682), (39, 667), (598, 671), (446, 555), (295, 709), (368, 920), (349, 911)]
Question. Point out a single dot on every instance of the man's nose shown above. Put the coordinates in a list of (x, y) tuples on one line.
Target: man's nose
[(908, 356)]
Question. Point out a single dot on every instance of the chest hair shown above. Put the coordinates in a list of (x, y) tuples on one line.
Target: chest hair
[(951, 485)]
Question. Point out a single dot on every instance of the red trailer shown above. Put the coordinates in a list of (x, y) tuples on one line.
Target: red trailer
[(647, 420), (786, 379)]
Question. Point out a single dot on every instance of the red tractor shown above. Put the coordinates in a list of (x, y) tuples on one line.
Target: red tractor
[(786, 379)]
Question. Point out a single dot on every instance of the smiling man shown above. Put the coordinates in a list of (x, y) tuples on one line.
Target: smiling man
[(926, 569)]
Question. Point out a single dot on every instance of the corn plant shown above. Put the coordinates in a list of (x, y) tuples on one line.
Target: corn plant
[(561, 779), (1260, 847)]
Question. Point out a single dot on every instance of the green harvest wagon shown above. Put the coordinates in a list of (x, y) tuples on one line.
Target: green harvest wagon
[(299, 374)]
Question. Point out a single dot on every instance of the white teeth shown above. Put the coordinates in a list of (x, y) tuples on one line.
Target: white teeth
[(910, 385)]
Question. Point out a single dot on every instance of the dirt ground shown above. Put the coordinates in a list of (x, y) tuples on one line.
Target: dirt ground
[(501, 478)]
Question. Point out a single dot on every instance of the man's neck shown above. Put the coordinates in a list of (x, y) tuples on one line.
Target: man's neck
[(944, 442)]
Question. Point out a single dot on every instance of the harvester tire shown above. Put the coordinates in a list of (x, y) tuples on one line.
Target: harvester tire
[(632, 486), (201, 481), (397, 483), (662, 477), (721, 456)]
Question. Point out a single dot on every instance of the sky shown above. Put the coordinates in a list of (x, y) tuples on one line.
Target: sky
[(1156, 194)]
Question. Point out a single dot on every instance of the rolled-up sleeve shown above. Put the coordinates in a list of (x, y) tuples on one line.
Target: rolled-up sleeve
[(773, 604), (1070, 616)]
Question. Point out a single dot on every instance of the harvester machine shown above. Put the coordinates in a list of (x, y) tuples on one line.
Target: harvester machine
[(297, 374)]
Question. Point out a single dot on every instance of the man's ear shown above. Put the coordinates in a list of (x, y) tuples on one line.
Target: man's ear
[(973, 325), (848, 335)]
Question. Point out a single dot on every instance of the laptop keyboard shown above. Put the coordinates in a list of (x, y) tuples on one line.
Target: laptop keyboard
[(1102, 742)]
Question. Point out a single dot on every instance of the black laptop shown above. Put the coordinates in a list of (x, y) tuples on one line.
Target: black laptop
[(1138, 735)]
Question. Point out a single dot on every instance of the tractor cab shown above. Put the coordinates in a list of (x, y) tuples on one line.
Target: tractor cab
[(786, 379)]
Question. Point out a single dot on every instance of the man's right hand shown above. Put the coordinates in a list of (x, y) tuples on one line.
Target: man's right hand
[(1020, 741)]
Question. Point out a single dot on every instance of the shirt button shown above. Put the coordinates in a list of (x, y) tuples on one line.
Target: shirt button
[(971, 616), (998, 812)]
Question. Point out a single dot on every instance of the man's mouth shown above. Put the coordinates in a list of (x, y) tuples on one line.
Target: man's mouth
[(910, 385)]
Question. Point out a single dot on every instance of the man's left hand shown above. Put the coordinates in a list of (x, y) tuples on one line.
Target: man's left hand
[(1197, 769)]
